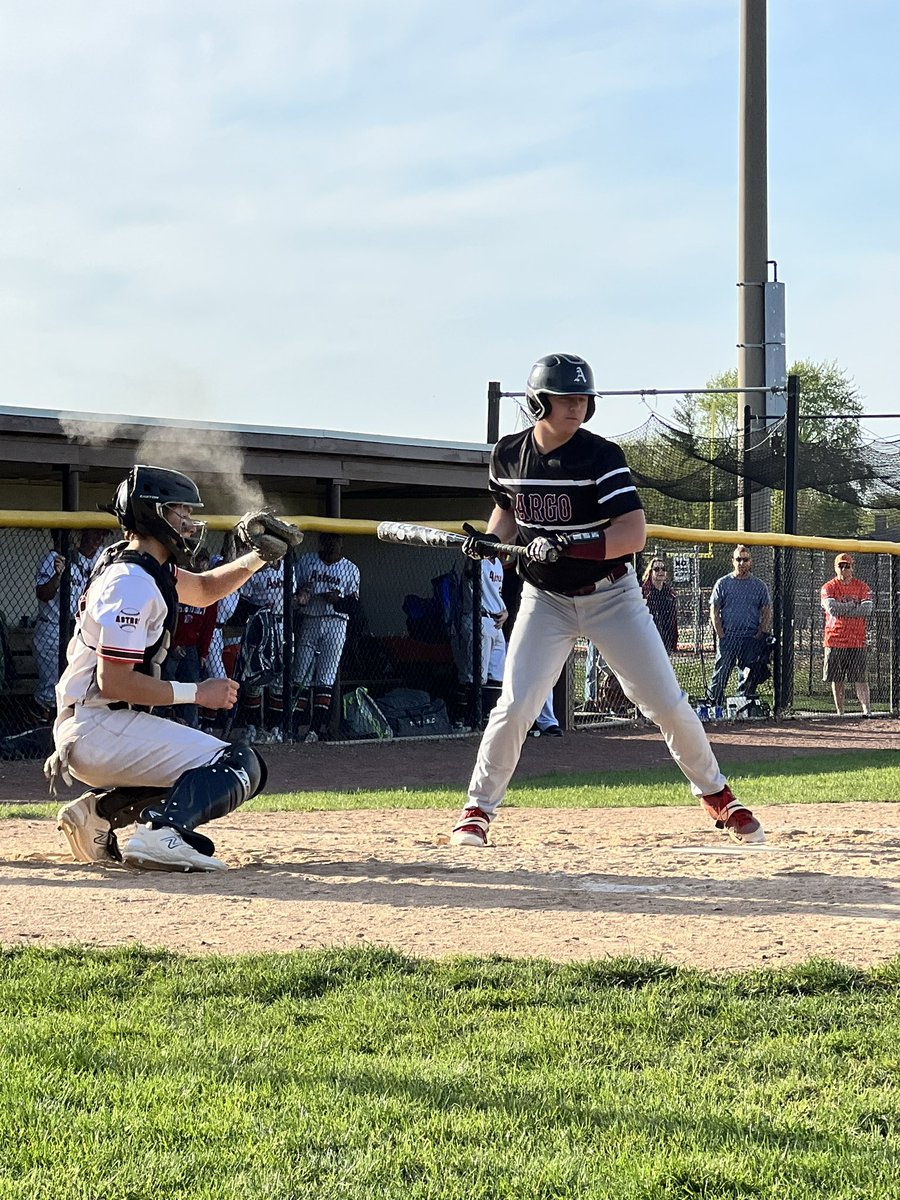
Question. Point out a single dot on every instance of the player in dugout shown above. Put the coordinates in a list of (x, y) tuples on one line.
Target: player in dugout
[(169, 778), (567, 495)]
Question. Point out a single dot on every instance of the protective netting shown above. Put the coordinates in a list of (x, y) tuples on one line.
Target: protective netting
[(794, 579), (694, 468)]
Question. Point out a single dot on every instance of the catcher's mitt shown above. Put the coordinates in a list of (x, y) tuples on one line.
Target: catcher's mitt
[(267, 534)]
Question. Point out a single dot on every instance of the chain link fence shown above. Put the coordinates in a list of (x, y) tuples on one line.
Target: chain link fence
[(413, 636)]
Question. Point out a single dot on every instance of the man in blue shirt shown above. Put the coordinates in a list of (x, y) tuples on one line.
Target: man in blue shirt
[(740, 610)]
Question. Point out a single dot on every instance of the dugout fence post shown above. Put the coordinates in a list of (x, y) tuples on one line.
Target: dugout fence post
[(785, 648), (894, 609), (777, 627), (287, 642)]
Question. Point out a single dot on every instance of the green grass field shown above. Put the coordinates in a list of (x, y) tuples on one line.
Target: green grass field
[(869, 775), (144, 1075), (358, 1074)]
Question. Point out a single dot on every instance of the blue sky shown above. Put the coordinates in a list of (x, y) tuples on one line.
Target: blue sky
[(351, 214)]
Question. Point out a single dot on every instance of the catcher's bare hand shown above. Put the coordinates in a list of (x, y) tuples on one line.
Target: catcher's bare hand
[(267, 534), (217, 693)]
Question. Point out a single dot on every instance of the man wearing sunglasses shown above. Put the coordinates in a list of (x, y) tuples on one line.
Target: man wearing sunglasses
[(740, 610), (847, 602)]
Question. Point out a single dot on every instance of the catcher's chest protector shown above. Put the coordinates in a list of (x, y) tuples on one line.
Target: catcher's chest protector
[(164, 578)]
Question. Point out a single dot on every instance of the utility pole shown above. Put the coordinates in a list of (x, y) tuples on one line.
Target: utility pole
[(753, 247)]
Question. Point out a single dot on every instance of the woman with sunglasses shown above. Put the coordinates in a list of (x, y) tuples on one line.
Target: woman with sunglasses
[(662, 602)]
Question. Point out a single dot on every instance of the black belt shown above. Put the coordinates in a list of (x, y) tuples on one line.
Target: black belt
[(124, 704), (588, 589)]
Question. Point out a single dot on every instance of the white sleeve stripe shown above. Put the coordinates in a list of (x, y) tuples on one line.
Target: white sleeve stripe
[(618, 492), (609, 474)]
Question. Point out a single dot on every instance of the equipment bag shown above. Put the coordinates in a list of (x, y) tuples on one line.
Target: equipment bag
[(413, 713), (362, 718)]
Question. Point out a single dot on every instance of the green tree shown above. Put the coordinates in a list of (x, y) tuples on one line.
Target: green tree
[(830, 406), (825, 389)]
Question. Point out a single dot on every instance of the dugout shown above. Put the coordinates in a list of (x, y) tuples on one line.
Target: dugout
[(55, 462)]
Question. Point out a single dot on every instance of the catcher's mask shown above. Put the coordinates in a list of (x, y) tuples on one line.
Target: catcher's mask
[(140, 505), (559, 375)]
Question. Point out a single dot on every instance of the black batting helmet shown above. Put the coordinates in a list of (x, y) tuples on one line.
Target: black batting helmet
[(141, 500), (559, 375)]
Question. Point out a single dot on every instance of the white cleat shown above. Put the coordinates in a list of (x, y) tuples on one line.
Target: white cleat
[(166, 850), (89, 835)]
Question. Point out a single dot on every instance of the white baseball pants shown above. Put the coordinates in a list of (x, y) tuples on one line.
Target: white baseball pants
[(120, 748), (616, 619)]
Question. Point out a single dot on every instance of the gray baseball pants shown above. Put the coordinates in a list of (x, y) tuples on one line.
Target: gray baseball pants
[(616, 619)]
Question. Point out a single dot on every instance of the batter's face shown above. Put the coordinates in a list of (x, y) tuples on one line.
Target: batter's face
[(567, 414)]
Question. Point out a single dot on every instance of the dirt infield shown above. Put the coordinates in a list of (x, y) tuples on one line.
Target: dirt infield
[(562, 884)]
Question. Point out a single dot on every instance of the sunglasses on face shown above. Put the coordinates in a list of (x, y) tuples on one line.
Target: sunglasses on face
[(663, 569), (742, 560), (844, 566)]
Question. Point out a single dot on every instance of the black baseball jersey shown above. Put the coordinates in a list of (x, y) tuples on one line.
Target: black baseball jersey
[(578, 487)]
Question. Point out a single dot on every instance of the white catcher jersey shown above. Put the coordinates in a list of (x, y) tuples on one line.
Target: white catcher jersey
[(122, 614), (318, 577)]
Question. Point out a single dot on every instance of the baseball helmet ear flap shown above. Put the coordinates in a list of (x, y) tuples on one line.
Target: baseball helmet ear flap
[(559, 375)]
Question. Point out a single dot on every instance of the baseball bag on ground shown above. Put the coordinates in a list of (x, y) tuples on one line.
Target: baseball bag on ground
[(413, 713), (362, 718)]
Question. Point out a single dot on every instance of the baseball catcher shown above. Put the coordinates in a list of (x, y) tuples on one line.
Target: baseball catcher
[(168, 777)]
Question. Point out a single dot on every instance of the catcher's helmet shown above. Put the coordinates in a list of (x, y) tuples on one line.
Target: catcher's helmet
[(141, 500), (559, 375)]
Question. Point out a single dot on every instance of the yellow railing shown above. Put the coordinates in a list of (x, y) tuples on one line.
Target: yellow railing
[(15, 519)]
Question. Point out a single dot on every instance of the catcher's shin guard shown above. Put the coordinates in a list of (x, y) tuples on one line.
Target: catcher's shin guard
[(205, 793)]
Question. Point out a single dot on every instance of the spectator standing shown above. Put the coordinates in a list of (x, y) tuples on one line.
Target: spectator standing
[(662, 602), (740, 609), (848, 605)]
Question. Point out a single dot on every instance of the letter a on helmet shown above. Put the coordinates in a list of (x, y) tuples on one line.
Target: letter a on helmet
[(559, 375)]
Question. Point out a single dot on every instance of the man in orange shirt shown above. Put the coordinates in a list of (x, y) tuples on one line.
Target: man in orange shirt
[(848, 605)]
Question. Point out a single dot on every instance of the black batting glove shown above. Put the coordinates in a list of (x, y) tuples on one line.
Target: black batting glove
[(478, 545)]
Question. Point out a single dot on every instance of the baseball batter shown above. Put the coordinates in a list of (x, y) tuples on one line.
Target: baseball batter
[(169, 777), (326, 585), (567, 495)]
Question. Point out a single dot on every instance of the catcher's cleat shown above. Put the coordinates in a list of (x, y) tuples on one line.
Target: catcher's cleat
[(472, 829), (166, 850), (729, 814), (90, 837)]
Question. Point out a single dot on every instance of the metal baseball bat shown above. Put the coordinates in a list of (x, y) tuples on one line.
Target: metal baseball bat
[(424, 535)]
